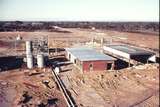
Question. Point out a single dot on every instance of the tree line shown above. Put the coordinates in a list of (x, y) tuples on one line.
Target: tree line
[(52, 26)]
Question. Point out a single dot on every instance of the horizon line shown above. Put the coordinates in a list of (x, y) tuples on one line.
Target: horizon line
[(72, 21)]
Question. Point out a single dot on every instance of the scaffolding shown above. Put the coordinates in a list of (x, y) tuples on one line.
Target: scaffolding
[(40, 46)]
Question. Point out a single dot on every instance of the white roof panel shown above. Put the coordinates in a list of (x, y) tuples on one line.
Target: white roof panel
[(88, 54)]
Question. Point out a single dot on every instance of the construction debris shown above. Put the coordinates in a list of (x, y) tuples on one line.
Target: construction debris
[(25, 98), (29, 91), (46, 83), (30, 84), (20, 87), (112, 85)]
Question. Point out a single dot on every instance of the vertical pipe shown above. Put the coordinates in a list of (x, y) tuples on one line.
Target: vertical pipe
[(28, 47), (29, 61), (113, 65), (102, 41), (40, 61), (129, 63)]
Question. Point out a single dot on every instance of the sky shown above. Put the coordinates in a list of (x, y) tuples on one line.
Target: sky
[(79, 10)]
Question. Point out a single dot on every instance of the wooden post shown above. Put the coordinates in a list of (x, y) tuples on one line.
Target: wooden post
[(113, 64), (102, 41), (129, 63)]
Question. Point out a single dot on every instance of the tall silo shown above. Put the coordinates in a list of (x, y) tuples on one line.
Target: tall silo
[(29, 61), (28, 47), (40, 61)]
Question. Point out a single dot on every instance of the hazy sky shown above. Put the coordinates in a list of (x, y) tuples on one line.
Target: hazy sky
[(79, 10)]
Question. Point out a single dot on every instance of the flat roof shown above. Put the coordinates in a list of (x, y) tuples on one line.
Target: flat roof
[(131, 50), (88, 54)]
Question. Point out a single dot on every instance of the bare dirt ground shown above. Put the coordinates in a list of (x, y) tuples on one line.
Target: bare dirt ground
[(131, 87), (25, 88), (62, 40), (137, 87), (78, 35)]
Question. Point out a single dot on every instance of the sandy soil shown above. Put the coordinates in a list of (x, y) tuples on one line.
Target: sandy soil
[(63, 40), (138, 87), (133, 87), (18, 89), (143, 40)]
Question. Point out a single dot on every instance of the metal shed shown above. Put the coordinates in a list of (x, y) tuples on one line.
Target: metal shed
[(130, 53), (87, 59)]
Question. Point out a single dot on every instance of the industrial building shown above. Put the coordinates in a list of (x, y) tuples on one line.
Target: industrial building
[(130, 53), (87, 59), (37, 48)]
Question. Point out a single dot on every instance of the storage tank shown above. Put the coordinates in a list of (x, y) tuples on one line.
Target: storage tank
[(29, 61), (57, 70), (28, 47), (40, 61)]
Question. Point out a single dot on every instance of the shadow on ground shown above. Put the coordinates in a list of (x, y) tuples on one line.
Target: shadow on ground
[(10, 62)]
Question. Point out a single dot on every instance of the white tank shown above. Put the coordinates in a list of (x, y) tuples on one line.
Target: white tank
[(29, 61), (40, 61), (57, 70), (28, 47)]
